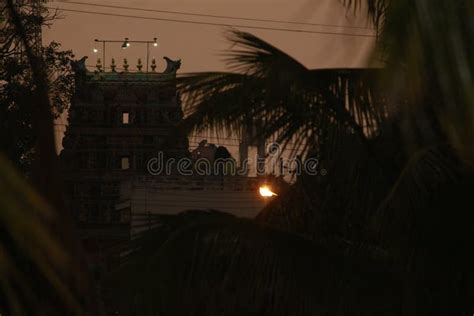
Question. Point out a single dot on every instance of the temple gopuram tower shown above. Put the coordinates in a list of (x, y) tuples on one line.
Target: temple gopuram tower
[(118, 120)]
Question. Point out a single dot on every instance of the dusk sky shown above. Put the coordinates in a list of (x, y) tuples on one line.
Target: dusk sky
[(200, 46)]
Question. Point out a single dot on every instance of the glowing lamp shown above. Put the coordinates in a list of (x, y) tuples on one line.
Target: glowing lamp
[(265, 191), (125, 44)]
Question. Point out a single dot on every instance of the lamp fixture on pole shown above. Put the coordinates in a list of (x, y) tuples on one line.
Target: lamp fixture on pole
[(125, 44)]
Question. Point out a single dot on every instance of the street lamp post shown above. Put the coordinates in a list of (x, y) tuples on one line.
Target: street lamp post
[(125, 44)]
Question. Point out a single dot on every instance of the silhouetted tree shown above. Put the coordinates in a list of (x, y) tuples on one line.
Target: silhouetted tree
[(17, 100), (17, 87)]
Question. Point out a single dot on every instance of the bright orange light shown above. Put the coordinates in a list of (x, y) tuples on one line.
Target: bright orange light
[(266, 192)]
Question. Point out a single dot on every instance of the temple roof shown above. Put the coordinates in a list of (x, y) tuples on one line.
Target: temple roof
[(101, 74), (129, 76)]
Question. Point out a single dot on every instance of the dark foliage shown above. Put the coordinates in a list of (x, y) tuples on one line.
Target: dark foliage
[(17, 101), (41, 264)]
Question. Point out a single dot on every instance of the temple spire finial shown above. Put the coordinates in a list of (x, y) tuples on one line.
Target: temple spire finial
[(99, 65), (125, 65), (112, 65), (139, 65)]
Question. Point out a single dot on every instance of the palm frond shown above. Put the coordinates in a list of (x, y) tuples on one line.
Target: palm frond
[(414, 212), (340, 203), (219, 101), (425, 46), (35, 267), (439, 70), (375, 9), (230, 266), (276, 94), (426, 226), (254, 56)]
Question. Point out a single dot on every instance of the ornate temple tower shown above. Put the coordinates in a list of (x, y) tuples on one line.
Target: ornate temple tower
[(117, 122)]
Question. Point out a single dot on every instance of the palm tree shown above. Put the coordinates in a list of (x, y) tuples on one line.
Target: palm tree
[(327, 113), (397, 143)]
